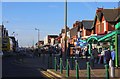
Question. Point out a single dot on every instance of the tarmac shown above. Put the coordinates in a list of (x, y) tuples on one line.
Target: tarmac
[(45, 65)]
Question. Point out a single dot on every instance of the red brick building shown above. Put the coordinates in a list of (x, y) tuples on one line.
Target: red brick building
[(105, 20), (86, 28)]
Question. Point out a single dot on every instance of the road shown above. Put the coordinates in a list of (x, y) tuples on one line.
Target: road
[(34, 67), (13, 69)]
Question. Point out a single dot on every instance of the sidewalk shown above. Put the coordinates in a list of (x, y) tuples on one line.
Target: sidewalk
[(98, 71), (95, 74)]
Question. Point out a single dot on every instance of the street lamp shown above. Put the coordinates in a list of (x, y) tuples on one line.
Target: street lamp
[(38, 35), (65, 28)]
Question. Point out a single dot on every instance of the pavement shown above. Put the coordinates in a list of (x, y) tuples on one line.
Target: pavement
[(97, 72)]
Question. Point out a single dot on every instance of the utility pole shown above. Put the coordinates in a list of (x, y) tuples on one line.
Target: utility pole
[(65, 29), (38, 35)]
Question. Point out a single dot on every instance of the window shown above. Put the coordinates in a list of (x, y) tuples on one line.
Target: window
[(100, 28)]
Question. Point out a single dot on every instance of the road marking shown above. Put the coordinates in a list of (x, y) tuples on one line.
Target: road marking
[(47, 74), (54, 73)]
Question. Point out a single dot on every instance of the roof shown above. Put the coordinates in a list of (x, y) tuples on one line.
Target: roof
[(1, 26), (109, 35), (73, 31), (53, 36), (87, 24), (12, 37), (63, 30), (111, 15)]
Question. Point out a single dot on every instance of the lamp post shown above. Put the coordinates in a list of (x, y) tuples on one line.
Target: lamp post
[(65, 28), (38, 35)]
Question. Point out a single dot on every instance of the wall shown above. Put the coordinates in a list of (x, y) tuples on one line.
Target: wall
[(46, 40), (88, 32), (101, 26), (111, 27)]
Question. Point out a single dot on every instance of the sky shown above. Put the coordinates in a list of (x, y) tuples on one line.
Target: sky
[(23, 17)]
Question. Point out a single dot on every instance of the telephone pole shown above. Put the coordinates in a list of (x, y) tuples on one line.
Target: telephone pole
[(38, 36), (65, 29)]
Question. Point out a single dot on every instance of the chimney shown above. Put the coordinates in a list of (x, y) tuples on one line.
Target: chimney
[(77, 23), (73, 25), (99, 10)]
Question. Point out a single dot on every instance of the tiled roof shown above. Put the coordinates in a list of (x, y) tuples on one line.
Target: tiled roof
[(87, 24), (63, 30), (53, 36), (109, 14), (73, 31)]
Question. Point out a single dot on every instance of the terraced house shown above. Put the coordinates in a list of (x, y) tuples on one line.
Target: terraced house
[(106, 34), (105, 20)]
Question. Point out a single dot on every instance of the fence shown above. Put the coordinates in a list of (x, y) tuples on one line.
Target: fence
[(70, 66)]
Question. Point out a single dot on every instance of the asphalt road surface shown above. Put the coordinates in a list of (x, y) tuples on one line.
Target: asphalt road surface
[(13, 70)]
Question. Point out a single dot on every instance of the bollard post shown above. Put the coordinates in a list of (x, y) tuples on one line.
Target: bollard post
[(55, 65), (72, 64), (61, 68), (92, 61), (112, 69), (48, 62), (77, 69), (107, 72), (112, 72), (88, 70), (67, 69)]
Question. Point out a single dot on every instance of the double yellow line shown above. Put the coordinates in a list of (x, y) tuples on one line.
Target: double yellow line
[(47, 74)]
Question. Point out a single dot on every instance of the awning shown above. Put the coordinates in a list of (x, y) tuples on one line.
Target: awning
[(109, 35), (93, 38)]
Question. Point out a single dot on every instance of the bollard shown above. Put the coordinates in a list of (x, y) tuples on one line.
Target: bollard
[(112, 69), (92, 61), (61, 68), (72, 64), (67, 68), (107, 72), (48, 62), (55, 64), (88, 70), (77, 69)]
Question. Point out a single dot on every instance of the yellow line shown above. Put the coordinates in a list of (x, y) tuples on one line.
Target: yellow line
[(47, 74), (54, 73)]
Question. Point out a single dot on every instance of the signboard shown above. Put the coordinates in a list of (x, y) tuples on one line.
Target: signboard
[(119, 47)]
